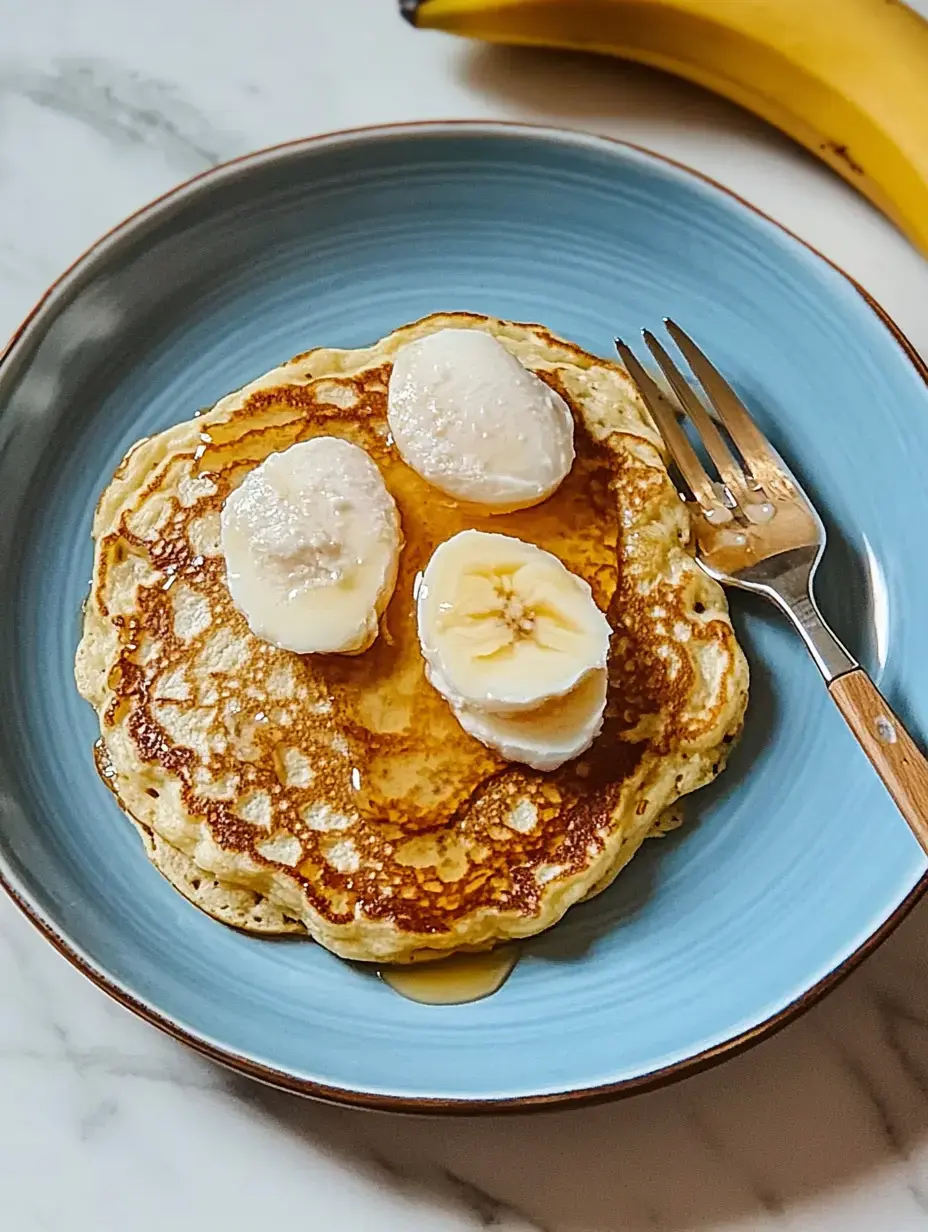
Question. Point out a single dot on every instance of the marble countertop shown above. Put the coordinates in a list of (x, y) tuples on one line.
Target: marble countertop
[(104, 1123)]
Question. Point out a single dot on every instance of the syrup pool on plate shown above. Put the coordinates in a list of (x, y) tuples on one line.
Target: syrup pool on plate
[(454, 980)]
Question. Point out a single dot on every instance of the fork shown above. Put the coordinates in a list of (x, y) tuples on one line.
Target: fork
[(756, 529)]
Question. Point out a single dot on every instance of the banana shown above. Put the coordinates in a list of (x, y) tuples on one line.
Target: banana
[(848, 79), (551, 734), (504, 625), (312, 540), (515, 642), (475, 423)]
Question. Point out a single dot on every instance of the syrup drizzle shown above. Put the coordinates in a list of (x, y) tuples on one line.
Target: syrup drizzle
[(455, 980)]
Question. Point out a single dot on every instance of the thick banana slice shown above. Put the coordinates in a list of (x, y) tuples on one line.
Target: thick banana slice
[(470, 419), (312, 540), (549, 735), (504, 626)]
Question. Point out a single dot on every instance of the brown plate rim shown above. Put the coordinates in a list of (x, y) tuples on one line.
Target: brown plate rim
[(423, 1104)]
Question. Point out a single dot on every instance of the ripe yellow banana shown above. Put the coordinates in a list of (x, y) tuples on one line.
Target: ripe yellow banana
[(846, 78)]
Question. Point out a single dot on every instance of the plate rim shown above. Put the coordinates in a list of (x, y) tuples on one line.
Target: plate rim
[(381, 1101)]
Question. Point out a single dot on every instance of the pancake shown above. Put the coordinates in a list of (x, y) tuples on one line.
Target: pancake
[(248, 910), (341, 793), (252, 912)]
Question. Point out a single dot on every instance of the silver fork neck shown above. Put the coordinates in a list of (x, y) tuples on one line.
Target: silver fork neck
[(792, 592), (831, 658)]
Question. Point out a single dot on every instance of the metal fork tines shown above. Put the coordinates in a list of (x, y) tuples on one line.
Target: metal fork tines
[(751, 489), (756, 529)]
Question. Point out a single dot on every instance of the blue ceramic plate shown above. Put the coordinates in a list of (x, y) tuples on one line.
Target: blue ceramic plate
[(791, 868)]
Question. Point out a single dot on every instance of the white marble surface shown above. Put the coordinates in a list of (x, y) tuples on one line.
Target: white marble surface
[(106, 1124)]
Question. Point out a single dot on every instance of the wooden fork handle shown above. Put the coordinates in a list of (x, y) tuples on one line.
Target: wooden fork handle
[(892, 751)]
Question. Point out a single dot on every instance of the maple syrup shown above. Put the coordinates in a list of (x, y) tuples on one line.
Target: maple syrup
[(455, 980)]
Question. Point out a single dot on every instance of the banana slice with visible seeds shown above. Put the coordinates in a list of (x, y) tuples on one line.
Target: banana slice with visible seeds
[(312, 542), (504, 626), (549, 735), (468, 417)]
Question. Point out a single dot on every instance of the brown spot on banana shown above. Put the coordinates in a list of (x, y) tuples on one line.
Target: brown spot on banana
[(842, 153)]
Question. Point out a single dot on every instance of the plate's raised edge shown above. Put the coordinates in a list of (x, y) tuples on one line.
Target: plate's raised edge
[(423, 1104), (553, 1102)]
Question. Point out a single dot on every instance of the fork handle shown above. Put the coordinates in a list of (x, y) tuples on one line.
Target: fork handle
[(892, 751)]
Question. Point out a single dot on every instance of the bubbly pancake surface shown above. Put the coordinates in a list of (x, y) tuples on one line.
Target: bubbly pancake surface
[(342, 791)]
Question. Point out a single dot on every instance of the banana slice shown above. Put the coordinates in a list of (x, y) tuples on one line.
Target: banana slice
[(312, 541), (549, 735), (504, 626), (472, 421)]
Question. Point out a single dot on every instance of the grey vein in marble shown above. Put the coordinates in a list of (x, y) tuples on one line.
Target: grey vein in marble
[(884, 1118), (124, 107), (113, 1063), (93, 1122), (719, 1151), (491, 1212), (895, 1018), (487, 1209)]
